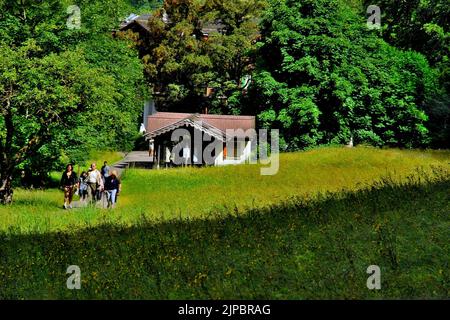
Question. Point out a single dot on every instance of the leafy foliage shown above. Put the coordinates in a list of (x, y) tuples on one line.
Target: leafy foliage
[(64, 92), (423, 26), (180, 62), (323, 77)]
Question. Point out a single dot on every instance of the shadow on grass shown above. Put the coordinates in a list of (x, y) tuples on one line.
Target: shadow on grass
[(296, 250)]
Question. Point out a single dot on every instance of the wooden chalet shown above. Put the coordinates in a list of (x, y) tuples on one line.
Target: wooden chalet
[(211, 128)]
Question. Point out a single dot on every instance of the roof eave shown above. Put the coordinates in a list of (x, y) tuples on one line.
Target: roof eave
[(209, 129)]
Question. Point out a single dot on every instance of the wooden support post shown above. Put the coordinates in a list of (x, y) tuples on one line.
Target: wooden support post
[(159, 155)]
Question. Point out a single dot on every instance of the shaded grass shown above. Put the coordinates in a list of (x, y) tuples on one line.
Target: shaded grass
[(192, 192), (301, 248)]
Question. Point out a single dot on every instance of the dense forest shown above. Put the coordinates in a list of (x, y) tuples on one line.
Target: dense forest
[(70, 83), (319, 74)]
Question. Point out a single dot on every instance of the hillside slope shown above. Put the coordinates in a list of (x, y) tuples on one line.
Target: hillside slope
[(168, 194)]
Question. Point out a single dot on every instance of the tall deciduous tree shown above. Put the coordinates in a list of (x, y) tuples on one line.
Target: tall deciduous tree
[(181, 63), (323, 77), (424, 26), (63, 91)]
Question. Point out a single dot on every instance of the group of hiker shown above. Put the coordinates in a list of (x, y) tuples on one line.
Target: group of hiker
[(92, 186)]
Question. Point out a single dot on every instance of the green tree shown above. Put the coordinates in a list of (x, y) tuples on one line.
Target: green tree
[(63, 92), (181, 63), (323, 77), (423, 26)]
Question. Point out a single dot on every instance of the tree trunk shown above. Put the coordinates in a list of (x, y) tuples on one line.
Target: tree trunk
[(6, 167), (6, 191)]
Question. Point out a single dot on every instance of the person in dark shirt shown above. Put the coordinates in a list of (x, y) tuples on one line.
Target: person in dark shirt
[(105, 171), (112, 187), (68, 182), (83, 186)]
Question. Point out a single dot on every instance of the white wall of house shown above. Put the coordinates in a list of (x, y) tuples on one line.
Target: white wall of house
[(244, 155)]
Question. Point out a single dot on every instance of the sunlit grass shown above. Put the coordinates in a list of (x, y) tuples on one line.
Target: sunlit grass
[(193, 192)]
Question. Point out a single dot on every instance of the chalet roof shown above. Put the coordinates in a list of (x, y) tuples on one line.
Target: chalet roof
[(142, 21), (214, 125)]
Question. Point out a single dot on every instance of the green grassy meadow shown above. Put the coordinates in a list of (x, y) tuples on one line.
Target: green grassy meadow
[(199, 193), (309, 232)]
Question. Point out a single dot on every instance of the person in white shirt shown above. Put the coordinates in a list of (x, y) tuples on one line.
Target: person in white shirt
[(95, 183), (186, 155), (167, 156)]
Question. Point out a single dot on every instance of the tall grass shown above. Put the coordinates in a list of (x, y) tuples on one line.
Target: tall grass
[(193, 192), (298, 249)]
